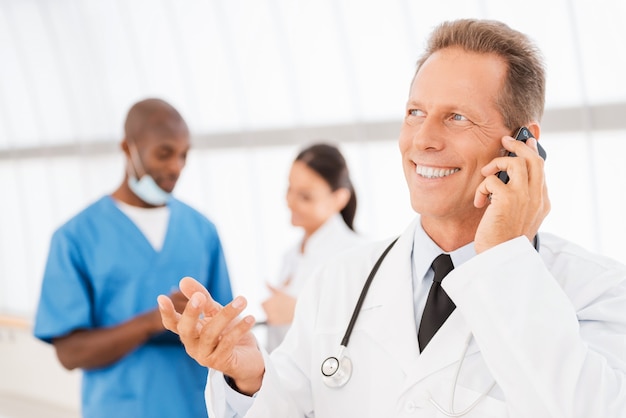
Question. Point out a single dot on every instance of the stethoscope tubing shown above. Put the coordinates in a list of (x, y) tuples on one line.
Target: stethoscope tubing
[(366, 287)]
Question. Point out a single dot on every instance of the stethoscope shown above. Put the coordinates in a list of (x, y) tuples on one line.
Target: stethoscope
[(337, 370)]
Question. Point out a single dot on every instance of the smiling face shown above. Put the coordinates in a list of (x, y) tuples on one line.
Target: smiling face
[(310, 198), (452, 128)]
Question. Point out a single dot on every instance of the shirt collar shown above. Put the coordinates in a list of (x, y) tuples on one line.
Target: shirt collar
[(425, 250)]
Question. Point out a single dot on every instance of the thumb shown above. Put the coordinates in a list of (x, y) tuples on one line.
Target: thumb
[(272, 288)]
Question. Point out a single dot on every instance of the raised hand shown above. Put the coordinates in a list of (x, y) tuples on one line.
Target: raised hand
[(279, 307), (215, 336)]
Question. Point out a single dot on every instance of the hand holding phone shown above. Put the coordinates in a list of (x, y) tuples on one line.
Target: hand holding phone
[(524, 204), (522, 135)]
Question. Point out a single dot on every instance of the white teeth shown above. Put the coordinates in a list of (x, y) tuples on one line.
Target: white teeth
[(433, 173)]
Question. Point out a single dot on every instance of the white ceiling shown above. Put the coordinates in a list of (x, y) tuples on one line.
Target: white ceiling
[(70, 69)]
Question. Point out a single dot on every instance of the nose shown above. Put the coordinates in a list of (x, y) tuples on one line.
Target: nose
[(175, 165), (428, 135)]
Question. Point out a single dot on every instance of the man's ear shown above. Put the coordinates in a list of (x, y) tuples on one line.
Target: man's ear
[(534, 129), (124, 147), (342, 197)]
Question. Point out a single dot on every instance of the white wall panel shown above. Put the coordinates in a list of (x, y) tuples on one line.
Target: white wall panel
[(71, 69)]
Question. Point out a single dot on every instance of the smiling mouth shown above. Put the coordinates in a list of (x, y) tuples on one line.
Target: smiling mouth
[(434, 173)]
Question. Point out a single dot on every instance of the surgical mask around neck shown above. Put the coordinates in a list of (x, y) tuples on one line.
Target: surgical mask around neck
[(145, 188)]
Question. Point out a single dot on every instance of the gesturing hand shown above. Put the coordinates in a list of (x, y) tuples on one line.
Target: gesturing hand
[(279, 307), (215, 336)]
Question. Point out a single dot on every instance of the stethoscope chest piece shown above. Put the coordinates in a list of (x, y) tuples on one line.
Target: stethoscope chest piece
[(336, 371)]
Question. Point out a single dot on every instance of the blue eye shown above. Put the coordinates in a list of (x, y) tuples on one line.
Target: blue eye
[(458, 117), (416, 112)]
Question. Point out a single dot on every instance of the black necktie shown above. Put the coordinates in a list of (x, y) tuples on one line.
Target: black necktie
[(439, 306)]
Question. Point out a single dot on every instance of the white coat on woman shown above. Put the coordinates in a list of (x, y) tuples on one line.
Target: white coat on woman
[(327, 242)]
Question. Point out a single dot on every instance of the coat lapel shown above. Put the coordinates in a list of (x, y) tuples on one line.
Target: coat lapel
[(389, 318), (388, 309)]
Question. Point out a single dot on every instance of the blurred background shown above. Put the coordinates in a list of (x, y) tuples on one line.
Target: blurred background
[(256, 80)]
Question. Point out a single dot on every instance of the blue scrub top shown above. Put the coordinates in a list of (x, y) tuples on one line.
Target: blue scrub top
[(102, 271)]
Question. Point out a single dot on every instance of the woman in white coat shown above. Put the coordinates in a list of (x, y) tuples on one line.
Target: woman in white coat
[(322, 202)]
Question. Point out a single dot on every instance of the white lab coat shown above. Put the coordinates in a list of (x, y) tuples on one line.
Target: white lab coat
[(549, 329), (329, 241)]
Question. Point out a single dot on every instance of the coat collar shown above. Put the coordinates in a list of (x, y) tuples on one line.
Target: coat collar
[(333, 229)]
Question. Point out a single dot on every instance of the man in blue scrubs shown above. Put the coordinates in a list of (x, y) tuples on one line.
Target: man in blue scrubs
[(106, 267)]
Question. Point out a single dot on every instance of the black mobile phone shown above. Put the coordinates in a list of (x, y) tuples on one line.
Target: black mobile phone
[(522, 135)]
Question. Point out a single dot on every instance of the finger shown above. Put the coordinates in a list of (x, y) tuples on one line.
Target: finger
[(516, 167), (528, 169), (482, 195), (500, 164), (188, 325), (532, 143), (527, 149), (189, 286), (547, 206), (271, 288), (536, 166), (486, 189), (229, 340), (492, 190), (169, 316), (510, 144), (223, 321), (211, 333)]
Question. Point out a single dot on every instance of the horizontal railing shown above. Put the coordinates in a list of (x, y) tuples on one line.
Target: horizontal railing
[(11, 321)]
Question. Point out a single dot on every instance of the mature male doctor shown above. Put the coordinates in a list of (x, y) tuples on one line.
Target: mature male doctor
[(535, 329)]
